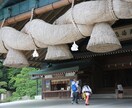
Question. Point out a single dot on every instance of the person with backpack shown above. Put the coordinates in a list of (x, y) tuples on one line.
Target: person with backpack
[(74, 90), (87, 91)]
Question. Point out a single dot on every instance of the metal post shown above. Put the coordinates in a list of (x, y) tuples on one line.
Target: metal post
[(37, 87)]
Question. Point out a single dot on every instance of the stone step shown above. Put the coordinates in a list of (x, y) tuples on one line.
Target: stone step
[(103, 96)]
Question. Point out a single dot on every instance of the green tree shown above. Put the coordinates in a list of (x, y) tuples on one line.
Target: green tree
[(6, 75), (3, 84), (6, 82), (18, 81), (23, 84), (12, 73)]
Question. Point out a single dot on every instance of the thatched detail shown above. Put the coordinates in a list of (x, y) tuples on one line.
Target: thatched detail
[(58, 52), (103, 39), (15, 59)]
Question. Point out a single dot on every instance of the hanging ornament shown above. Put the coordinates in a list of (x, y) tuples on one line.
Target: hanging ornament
[(74, 47), (35, 53), (103, 39)]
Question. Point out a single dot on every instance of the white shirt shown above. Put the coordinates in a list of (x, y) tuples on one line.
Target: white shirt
[(119, 87), (86, 89)]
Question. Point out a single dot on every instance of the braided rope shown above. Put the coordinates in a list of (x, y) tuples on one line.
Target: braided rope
[(31, 18), (1, 27), (73, 20), (2, 23), (111, 8)]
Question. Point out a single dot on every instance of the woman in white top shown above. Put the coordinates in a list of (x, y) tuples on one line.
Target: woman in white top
[(87, 90), (120, 91)]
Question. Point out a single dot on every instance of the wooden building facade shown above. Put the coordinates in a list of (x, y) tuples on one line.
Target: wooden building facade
[(56, 83)]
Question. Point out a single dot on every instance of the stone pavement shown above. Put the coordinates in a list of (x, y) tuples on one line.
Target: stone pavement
[(65, 103)]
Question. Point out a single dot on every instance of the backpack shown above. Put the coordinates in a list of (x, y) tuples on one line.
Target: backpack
[(89, 90), (74, 87)]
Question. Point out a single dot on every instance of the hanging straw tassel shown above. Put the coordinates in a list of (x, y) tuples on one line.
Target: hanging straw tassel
[(15, 58), (103, 39), (58, 52)]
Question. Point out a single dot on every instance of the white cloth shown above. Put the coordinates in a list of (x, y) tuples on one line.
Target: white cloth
[(86, 89), (119, 87), (71, 93), (76, 83)]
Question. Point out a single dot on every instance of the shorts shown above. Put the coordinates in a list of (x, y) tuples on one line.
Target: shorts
[(120, 91)]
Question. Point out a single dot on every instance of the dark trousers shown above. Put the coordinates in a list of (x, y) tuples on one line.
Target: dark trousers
[(75, 97)]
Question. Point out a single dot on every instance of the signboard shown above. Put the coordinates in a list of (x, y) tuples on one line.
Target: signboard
[(48, 85), (48, 76), (124, 33), (70, 74), (60, 75)]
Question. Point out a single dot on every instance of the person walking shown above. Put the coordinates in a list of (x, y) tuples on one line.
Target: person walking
[(87, 91), (74, 90), (119, 91)]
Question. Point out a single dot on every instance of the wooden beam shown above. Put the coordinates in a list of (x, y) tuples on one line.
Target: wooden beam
[(37, 11)]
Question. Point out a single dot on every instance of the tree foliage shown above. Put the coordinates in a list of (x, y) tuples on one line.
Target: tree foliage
[(2, 91), (23, 84), (18, 81), (6, 77), (12, 73), (3, 83)]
